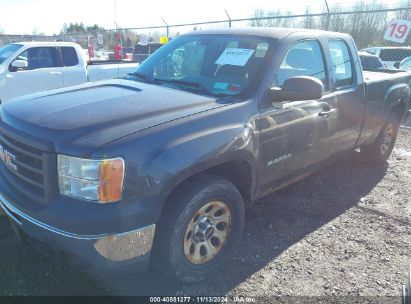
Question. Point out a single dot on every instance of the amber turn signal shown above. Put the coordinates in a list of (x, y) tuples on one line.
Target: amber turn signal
[(111, 177)]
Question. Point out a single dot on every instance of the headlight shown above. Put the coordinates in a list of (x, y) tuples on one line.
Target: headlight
[(89, 179)]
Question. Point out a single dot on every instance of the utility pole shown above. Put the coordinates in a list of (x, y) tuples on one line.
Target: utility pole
[(229, 18), (328, 16), (167, 27)]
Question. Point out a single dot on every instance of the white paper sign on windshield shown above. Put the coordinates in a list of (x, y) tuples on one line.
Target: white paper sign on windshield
[(235, 56)]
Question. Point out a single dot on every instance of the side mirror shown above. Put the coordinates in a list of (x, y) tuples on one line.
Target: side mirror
[(298, 88), (19, 64), (397, 65)]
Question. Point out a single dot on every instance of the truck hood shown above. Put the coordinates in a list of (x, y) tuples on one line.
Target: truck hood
[(79, 119)]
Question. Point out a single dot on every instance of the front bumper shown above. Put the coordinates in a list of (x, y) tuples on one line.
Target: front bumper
[(102, 252)]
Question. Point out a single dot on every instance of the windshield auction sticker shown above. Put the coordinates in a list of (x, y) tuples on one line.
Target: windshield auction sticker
[(235, 56)]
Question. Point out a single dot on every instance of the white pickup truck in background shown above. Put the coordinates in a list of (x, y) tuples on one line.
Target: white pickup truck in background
[(29, 67)]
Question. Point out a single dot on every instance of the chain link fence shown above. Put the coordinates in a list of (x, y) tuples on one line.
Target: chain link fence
[(365, 21)]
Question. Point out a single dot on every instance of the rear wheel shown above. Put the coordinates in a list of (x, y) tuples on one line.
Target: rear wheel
[(200, 229), (380, 150)]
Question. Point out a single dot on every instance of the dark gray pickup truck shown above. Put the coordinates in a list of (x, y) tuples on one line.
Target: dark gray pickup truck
[(163, 165)]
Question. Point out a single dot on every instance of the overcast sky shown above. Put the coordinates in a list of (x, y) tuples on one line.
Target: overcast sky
[(48, 16)]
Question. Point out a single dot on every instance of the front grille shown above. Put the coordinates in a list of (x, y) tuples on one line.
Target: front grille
[(32, 177)]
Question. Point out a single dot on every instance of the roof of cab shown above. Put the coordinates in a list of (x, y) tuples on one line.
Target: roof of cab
[(271, 32), (46, 43)]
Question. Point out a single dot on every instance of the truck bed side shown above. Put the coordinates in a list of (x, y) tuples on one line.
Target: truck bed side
[(393, 89), (108, 71)]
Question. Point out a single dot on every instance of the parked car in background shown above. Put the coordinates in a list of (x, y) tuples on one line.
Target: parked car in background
[(390, 55), (141, 52), (370, 62), (29, 67), (405, 64), (101, 55), (127, 53)]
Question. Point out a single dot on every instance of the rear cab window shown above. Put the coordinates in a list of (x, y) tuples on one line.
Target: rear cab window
[(342, 63), (69, 56)]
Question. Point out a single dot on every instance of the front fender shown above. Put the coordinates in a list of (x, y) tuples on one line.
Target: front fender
[(159, 158), (198, 152)]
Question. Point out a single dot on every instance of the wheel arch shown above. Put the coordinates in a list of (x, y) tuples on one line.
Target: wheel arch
[(239, 169), (397, 100)]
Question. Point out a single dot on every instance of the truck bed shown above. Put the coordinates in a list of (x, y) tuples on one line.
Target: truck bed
[(382, 89), (108, 71), (379, 83), (380, 75)]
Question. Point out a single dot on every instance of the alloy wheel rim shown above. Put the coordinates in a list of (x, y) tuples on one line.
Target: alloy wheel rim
[(207, 232)]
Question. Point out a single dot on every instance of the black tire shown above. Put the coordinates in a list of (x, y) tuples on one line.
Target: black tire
[(172, 244), (380, 150), (406, 289)]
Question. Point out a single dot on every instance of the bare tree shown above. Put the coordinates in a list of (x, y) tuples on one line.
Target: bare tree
[(405, 14), (256, 22), (337, 21), (36, 32), (367, 26), (364, 21), (309, 21), (261, 18)]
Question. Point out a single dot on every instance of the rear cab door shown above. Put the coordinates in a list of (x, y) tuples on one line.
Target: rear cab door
[(348, 87), (43, 72), (75, 69)]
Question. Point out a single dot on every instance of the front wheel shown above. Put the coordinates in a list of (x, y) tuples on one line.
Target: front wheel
[(380, 150), (200, 229)]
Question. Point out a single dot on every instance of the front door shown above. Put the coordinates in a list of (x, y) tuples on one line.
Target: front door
[(294, 134), (43, 72)]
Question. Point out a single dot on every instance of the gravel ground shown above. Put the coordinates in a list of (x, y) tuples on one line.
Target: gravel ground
[(344, 231)]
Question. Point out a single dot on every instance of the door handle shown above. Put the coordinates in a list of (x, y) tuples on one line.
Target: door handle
[(55, 73), (326, 111)]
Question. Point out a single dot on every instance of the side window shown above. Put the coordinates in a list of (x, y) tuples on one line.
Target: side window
[(303, 59), (69, 56), (39, 57), (341, 61)]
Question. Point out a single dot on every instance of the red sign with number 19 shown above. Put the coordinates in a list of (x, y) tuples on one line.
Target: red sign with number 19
[(398, 30)]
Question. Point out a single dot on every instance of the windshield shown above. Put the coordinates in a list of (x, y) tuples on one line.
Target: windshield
[(7, 50), (216, 65)]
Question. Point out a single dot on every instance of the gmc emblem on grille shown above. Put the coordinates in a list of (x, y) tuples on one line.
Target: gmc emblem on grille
[(8, 158)]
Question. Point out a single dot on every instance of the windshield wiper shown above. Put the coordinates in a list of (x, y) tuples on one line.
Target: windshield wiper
[(197, 86), (140, 75)]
